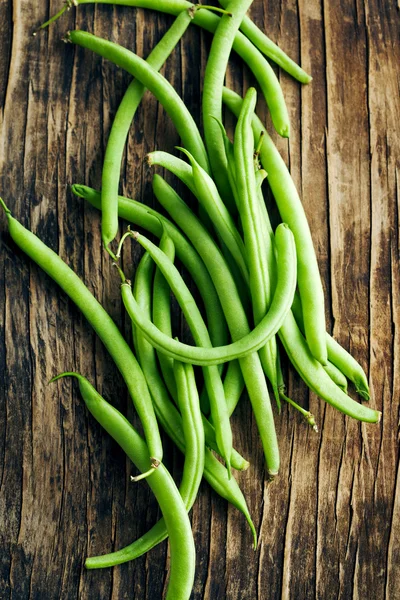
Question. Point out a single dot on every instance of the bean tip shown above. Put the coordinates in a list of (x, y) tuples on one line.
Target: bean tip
[(5, 207), (114, 257), (143, 475), (124, 280), (65, 374), (364, 394), (285, 131), (271, 475)]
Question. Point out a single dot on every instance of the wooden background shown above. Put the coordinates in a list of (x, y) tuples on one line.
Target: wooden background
[(329, 526)]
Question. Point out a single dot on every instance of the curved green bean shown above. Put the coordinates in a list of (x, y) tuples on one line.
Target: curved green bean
[(212, 93), (313, 373), (152, 80), (177, 524), (337, 355), (250, 342), (101, 322), (270, 49), (122, 122)]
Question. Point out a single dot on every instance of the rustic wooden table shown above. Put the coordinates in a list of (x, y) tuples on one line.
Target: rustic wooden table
[(329, 526)]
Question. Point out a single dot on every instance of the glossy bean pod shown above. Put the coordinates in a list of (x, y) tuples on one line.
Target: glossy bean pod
[(101, 322), (177, 524)]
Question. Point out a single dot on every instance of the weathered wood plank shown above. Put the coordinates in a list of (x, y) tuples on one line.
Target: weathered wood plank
[(329, 526)]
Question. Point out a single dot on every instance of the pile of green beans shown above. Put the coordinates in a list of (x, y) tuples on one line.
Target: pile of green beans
[(254, 284)]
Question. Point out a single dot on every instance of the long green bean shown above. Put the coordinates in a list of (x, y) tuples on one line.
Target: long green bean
[(101, 322), (174, 512), (235, 315), (270, 49), (292, 213), (122, 122), (255, 237), (152, 80)]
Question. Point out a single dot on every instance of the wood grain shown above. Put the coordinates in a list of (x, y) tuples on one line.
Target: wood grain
[(330, 525)]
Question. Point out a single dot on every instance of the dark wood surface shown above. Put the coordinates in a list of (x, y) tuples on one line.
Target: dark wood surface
[(329, 526)]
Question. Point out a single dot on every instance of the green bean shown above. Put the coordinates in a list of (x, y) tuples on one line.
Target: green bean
[(122, 122), (292, 212), (146, 353), (214, 472), (152, 80), (204, 355), (192, 429), (233, 309), (336, 376), (233, 385), (177, 524), (207, 194), (313, 373), (152, 221), (260, 67), (212, 93), (233, 389), (210, 23), (267, 47), (253, 229), (337, 355), (162, 314), (308, 416), (212, 379), (101, 322)]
